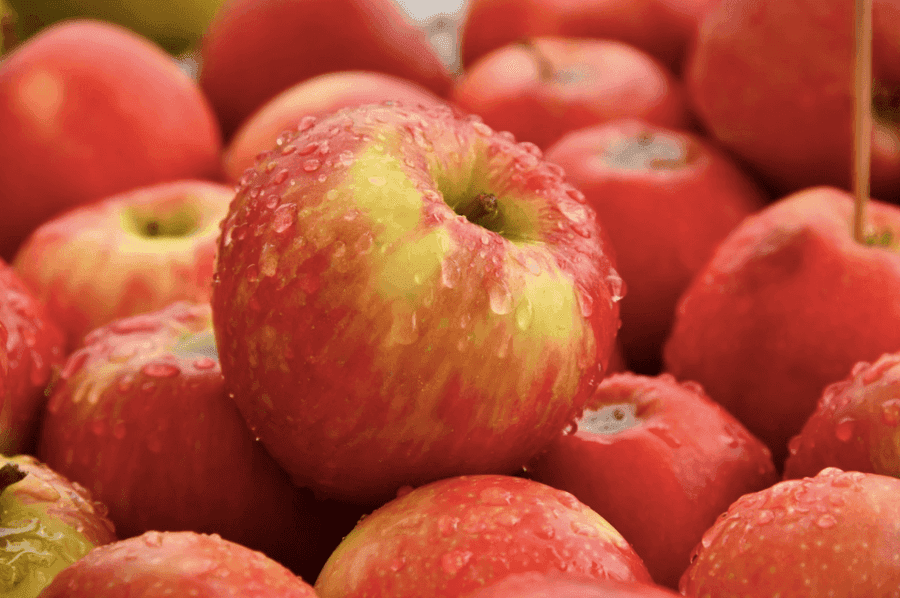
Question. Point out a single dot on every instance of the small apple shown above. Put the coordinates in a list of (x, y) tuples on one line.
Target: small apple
[(660, 461), (541, 88), (315, 97), (856, 424), (132, 253), (417, 298), (787, 304), (554, 584), (184, 563), (47, 523), (667, 198), (90, 109), (832, 535), (455, 535)]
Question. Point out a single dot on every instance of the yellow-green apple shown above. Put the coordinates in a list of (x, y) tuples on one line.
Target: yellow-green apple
[(543, 87), (663, 28), (135, 252), (255, 49), (832, 535), (106, 110), (555, 584), (694, 460), (315, 97), (455, 535), (667, 198), (787, 304), (33, 349), (179, 563), (772, 81), (47, 522), (174, 24), (417, 298), (140, 417), (856, 424)]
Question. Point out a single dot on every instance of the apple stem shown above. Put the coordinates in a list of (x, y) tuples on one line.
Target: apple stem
[(482, 209), (9, 475), (862, 138), (546, 70)]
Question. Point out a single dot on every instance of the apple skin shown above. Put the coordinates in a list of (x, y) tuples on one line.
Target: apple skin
[(452, 536), (316, 97), (833, 534), (105, 110), (33, 349), (554, 584), (48, 522), (856, 424), (132, 253), (694, 460), (373, 337), (788, 303), (544, 87), (178, 563), (772, 81), (667, 198), (254, 50)]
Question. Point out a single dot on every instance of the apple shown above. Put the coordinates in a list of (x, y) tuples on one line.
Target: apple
[(787, 304), (667, 198), (831, 535), (660, 461), (47, 522), (255, 49), (418, 298), (182, 563), (855, 425), (8, 36), (315, 97), (452, 536), (87, 110), (554, 584), (772, 81), (33, 349), (135, 252), (543, 87)]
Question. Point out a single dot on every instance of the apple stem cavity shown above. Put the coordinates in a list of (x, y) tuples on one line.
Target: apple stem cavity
[(483, 210), (10, 474), (862, 137)]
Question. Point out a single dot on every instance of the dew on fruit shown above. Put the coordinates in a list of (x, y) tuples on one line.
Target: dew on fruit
[(765, 516), (545, 532), (306, 123), (283, 218), (308, 148), (616, 286), (500, 299), (455, 560), (794, 445), (585, 303), (524, 314), (826, 521), (288, 150), (311, 165), (890, 412), (281, 176), (404, 329), (497, 497), (843, 431), (482, 129)]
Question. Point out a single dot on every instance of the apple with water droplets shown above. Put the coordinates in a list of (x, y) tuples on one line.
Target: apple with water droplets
[(555, 584), (416, 296)]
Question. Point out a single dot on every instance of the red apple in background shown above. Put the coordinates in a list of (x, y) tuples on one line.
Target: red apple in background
[(544, 87), (87, 110), (772, 80), (667, 198), (420, 297), (33, 348), (855, 425), (834, 534), (554, 584), (163, 564), (131, 253), (660, 461), (315, 97), (255, 49), (48, 523), (787, 304), (452, 536)]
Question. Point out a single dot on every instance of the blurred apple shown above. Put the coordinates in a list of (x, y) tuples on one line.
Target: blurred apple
[(554, 584)]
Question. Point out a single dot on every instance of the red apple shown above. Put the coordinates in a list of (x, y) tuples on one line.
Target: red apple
[(420, 297), (856, 424), (787, 304), (554, 584), (315, 97), (544, 87), (255, 49), (660, 461), (33, 348), (452, 536), (163, 564), (772, 80), (87, 110), (831, 535), (667, 199), (131, 253)]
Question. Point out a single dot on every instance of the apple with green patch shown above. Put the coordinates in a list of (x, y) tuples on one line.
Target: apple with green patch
[(416, 297)]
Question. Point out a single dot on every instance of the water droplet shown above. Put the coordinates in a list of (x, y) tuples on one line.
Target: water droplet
[(890, 412), (311, 165), (616, 286), (346, 158), (309, 148), (826, 521), (160, 370), (568, 500), (585, 303), (532, 149), (794, 444), (765, 516), (124, 383), (281, 177), (272, 201), (283, 218), (843, 431), (153, 539), (482, 129), (545, 532), (447, 525), (288, 150), (524, 314), (508, 518), (500, 299), (251, 273), (404, 329), (397, 564), (455, 560), (306, 123), (450, 272), (495, 497), (204, 363)]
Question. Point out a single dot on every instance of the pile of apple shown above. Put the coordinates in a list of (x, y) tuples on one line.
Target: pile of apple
[(305, 311)]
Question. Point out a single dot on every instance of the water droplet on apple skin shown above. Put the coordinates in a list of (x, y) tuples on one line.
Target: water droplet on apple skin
[(844, 429), (890, 412)]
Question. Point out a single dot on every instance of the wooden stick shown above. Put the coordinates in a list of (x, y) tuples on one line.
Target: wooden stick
[(862, 128)]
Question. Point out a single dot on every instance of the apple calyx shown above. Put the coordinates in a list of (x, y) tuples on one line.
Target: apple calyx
[(609, 419), (646, 151), (884, 238), (10, 473), (483, 210), (180, 222)]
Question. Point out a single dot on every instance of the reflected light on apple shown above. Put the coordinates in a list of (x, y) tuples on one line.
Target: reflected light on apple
[(41, 97)]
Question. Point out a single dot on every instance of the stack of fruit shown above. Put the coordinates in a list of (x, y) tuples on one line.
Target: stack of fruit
[(304, 311)]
